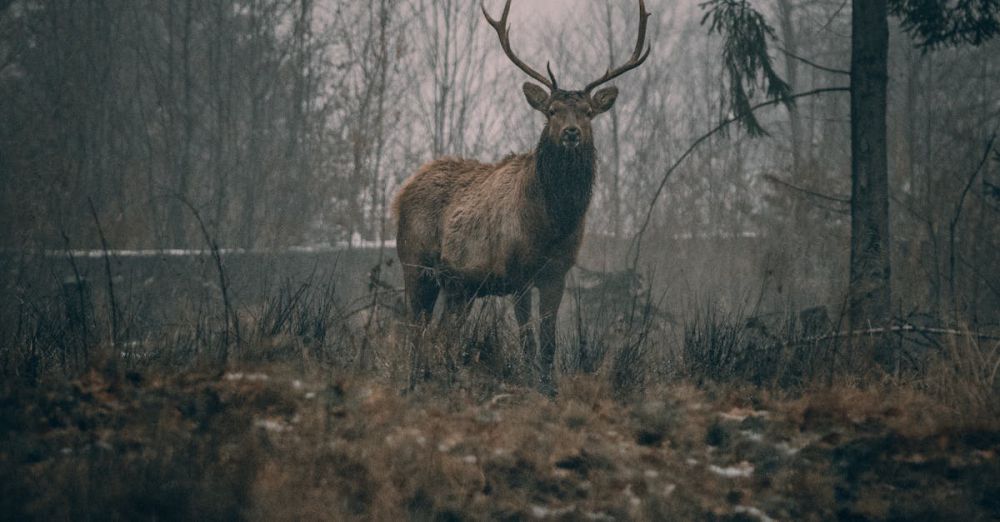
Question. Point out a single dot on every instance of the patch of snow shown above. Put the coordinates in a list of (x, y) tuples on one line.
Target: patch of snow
[(355, 243), (752, 435), (137, 355), (786, 448), (240, 376), (632, 498), (449, 443), (669, 489), (470, 460), (397, 436), (753, 512), (500, 397), (547, 512), (272, 425), (739, 414), (741, 470), (358, 242)]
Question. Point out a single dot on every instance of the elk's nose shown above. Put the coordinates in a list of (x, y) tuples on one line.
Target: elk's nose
[(571, 135)]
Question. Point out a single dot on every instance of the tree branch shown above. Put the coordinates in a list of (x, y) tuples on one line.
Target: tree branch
[(814, 64), (836, 199), (637, 241)]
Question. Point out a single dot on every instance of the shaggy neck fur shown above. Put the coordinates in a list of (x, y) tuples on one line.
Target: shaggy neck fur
[(566, 176)]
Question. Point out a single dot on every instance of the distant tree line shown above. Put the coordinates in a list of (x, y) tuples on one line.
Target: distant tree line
[(287, 122)]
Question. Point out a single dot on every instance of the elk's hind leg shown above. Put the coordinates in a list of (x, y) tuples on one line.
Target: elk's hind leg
[(422, 291), (457, 306)]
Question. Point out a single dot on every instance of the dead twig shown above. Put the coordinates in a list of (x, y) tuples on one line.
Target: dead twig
[(81, 295), (232, 321), (112, 302)]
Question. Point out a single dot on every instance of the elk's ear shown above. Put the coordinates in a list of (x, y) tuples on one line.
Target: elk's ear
[(537, 97), (604, 99)]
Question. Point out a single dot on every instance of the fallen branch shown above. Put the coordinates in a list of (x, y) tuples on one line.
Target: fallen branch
[(907, 328)]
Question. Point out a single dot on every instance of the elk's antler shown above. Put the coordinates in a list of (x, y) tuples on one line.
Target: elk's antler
[(637, 55), (503, 32)]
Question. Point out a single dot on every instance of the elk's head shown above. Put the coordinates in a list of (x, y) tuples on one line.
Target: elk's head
[(569, 113)]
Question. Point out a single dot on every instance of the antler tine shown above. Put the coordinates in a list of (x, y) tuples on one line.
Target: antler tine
[(503, 33), (548, 67), (638, 56)]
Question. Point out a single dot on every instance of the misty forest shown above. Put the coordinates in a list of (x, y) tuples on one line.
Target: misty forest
[(530, 259)]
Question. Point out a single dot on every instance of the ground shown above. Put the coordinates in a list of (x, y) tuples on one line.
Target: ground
[(269, 442)]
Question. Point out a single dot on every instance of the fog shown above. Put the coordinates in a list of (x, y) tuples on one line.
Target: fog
[(766, 286), (276, 124)]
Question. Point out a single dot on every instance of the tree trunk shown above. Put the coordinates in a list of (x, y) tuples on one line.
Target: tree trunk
[(869, 298)]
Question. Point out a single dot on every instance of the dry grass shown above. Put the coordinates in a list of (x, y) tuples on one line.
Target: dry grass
[(323, 412), (271, 442)]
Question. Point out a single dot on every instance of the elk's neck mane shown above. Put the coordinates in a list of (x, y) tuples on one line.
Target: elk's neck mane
[(566, 178)]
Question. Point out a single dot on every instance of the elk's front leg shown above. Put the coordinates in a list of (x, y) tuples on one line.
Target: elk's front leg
[(549, 296), (522, 311)]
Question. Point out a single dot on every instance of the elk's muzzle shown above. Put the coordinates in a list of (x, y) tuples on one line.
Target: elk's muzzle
[(571, 136)]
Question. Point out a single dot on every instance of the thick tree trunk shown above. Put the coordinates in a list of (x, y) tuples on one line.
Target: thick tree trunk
[(869, 292)]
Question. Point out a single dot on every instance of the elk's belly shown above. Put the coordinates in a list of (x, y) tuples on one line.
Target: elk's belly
[(486, 256)]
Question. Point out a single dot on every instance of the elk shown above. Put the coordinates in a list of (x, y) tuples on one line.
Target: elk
[(469, 229)]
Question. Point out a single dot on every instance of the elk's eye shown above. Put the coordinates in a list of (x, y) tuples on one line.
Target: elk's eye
[(552, 112)]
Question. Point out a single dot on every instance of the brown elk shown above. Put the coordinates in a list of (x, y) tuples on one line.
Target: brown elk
[(468, 229)]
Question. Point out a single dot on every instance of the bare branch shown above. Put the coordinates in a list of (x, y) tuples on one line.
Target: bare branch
[(637, 241), (836, 199), (814, 64)]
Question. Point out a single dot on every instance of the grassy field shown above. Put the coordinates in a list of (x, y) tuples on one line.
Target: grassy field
[(302, 406), (274, 442)]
